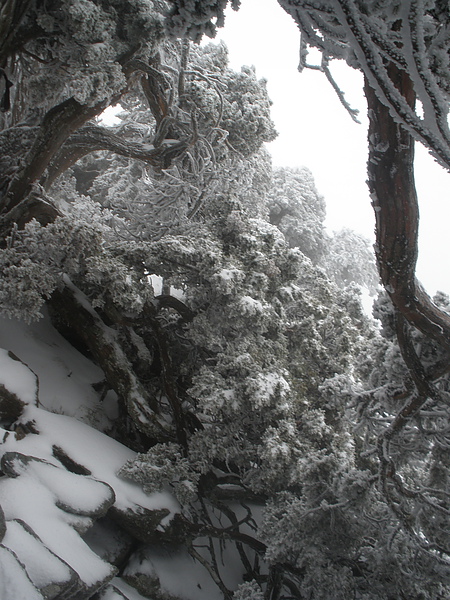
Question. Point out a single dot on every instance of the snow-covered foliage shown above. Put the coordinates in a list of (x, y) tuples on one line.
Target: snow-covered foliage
[(215, 388), (298, 210), (349, 258), (239, 103), (163, 465), (201, 413), (228, 116), (80, 49), (36, 257), (193, 20), (230, 391)]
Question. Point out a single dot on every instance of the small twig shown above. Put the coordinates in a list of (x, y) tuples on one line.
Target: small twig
[(324, 68)]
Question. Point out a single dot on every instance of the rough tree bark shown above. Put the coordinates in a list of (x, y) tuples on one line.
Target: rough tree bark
[(391, 181), (394, 198)]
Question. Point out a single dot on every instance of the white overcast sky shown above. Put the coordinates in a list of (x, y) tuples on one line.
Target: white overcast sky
[(315, 131)]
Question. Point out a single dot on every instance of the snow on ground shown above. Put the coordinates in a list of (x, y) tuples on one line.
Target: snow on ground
[(14, 583), (31, 501), (65, 384), (47, 508), (192, 581), (65, 375), (54, 540), (24, 544), (90, 448), (17, 377)]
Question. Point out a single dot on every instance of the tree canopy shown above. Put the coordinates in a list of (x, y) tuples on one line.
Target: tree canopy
[(193, 403)]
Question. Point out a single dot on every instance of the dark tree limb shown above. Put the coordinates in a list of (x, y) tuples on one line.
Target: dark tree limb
[(199, 530), (12, 13), (63, 138), (392, 186), (154, 91), (168, 301), (213, 572), (91, 138), (168, 380), (274, 583), (230, 514), (73, 308), (391, 181), (57, 125)]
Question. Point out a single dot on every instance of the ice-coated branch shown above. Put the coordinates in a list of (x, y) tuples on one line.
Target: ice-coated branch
[(91, 138), (73, 307), (372, 40), (324, 68)]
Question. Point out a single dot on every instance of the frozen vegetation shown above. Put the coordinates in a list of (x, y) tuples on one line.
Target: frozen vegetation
[(193, 403)]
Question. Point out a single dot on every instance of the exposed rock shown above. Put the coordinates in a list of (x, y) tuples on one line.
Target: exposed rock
[(11, 407), (18, 386), (112, 543), (54, 578), (14, 464), (68, 462)]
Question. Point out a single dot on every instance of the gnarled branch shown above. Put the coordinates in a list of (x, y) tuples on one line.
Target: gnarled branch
[(58, 124), (91, 138)]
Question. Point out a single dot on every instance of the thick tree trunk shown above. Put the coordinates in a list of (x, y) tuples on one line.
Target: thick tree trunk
[(392, 187)]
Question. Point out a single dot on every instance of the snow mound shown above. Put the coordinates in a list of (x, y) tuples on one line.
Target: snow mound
[(65, 515)]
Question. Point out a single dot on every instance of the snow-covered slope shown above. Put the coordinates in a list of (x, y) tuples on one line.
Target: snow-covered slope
[(68, 522)]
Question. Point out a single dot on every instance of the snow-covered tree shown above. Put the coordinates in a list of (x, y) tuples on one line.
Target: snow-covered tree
[(298, 210), (217, 408), (349, 258), (402, 48), (203, 382)]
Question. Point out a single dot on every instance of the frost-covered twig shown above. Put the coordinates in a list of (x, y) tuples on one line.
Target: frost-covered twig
[(324, 68)]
